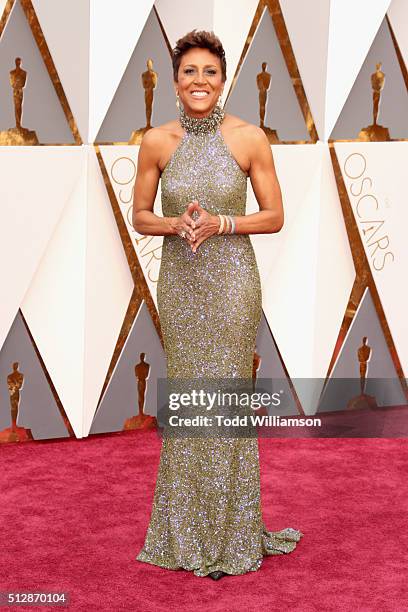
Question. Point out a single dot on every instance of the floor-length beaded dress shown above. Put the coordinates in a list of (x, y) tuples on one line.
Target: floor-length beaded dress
[(206, 513)]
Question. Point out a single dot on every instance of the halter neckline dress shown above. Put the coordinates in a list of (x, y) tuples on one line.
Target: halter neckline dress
[(206, 514)]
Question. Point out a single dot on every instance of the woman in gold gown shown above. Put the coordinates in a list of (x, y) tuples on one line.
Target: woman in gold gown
[(206, 514)]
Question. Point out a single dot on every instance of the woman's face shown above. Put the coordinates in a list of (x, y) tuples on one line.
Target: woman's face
[(199, 71)]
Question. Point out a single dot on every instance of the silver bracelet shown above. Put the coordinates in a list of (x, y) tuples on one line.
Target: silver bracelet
[(222, 223), (232, 231)]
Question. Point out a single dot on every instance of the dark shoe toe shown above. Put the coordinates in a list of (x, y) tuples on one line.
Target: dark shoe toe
[(217, 575)]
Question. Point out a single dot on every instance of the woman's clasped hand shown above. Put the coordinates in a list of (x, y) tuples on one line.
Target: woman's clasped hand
[(195, 231)]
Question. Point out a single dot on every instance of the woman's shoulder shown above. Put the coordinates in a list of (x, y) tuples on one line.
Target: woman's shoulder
[(158, 142), (249, 132), (161, 134)]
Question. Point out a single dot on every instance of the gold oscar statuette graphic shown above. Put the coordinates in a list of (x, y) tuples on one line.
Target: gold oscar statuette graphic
[(15, 381), (141, 420), (256, 362), (149, 82), (363, 400), (375, 132), (263, 82), (18, 135)]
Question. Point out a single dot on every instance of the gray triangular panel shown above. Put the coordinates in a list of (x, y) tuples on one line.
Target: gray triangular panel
[(120, 400), (39, 94), (382, 380), (37, 409), (357, 112), (127, 110), (283, 112)]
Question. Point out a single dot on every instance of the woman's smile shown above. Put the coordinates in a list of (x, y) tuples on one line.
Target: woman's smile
[(199, 94)]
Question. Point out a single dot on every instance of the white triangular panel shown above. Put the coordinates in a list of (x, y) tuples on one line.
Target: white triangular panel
[(121, 164), (233, 38), (54, 305), (115, 31), (375, 175), (311, 271), (181, 16), (65, 25), (310, 51), (290, 288), (36, 183), (353, 26), (398, 16), (336, 272), (109, 287), (307, 160), (2, 6)]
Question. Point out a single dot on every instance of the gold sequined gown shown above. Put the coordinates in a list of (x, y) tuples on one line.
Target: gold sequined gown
[(206, 513)]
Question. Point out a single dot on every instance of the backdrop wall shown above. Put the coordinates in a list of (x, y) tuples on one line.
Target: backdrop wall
[(78, 284)]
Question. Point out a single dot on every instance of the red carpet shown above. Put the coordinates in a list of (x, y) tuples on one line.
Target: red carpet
[(74, 514)]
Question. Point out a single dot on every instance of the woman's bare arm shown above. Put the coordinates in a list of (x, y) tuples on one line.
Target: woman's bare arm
[(144, 220), (265, 184)]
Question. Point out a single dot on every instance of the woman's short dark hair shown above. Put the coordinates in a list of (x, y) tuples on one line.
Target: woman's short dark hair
[(202, 40)]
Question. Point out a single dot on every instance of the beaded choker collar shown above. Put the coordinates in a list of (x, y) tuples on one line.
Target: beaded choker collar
[(202, 125)]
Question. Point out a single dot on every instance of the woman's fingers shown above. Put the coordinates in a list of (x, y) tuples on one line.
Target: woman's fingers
[(190, 233), (203, 232), (200, 235), (196, 228), (200, 224), (187, 223), (195, 207), (197, 243), (190, 208)]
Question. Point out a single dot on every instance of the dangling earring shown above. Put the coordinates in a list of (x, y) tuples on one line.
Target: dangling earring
[(219, 101), (177, 101)]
